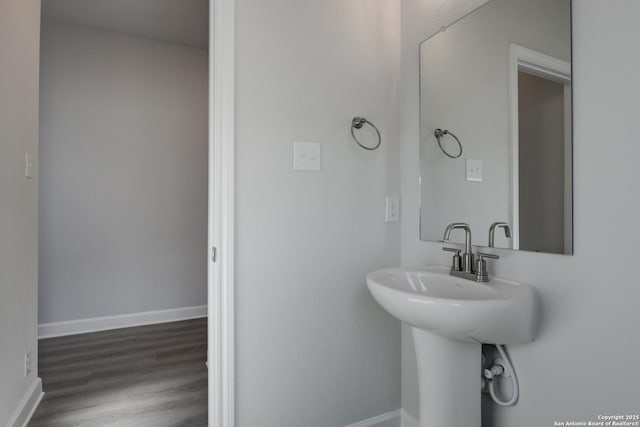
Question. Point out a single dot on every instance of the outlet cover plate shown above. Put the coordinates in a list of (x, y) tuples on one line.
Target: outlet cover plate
[(27, 364), (392, 209)]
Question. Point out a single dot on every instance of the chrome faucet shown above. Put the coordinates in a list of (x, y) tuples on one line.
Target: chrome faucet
[(467, 255), (462, 265), (492, 232)]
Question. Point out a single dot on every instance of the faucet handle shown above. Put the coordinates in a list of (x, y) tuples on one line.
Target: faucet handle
[(456, 261), (481, 266)]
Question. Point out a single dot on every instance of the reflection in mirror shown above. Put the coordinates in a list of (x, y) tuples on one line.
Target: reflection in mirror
[(495, 127)]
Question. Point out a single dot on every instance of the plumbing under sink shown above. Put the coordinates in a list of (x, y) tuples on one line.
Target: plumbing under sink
[(451, 318)]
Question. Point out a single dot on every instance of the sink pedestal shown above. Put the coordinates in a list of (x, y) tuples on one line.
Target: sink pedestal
[(450, 317), (449, 380)]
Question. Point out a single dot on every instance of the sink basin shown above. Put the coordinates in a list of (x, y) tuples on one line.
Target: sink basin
[(497, 312), (451, 318)]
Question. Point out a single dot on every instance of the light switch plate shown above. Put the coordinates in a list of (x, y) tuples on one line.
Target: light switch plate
[(306, 156), (474, 170)]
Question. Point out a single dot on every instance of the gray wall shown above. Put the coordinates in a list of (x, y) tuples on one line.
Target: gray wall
[(123, 196), (588, 303), (19, 44), (313, 347)]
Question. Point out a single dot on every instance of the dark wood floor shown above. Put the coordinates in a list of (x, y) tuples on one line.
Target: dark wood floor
[(135, 377)]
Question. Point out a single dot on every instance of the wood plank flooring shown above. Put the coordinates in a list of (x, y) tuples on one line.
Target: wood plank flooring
[(135, 377)]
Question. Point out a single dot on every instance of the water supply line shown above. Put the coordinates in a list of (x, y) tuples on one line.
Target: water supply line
[(498, 370)]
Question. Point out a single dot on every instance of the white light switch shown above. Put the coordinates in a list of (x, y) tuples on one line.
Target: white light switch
[(306, 156), (474, 170), (392, 209)]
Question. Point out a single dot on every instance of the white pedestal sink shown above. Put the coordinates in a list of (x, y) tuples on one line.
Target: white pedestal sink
[(451, 318)]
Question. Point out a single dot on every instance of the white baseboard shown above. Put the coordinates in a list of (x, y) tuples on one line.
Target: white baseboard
[(393, 417), (27, 405), (408, 420), (397, 418), (95, 324)]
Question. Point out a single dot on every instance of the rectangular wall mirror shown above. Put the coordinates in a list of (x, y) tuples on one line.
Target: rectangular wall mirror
[(496, 127)]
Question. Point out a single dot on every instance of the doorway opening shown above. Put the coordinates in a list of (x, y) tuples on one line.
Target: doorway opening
[(124, 142), (541, 147)]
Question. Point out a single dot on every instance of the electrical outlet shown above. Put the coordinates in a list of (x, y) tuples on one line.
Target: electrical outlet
[(28, 166), (392, 209), (27, 364)]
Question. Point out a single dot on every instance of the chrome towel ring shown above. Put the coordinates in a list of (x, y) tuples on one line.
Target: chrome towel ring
[(439, 133), (357, 123)]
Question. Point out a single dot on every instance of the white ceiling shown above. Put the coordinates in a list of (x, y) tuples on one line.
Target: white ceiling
[(177, 21)]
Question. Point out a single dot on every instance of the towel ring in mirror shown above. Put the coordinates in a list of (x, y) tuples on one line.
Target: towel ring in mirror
[(439, 133)]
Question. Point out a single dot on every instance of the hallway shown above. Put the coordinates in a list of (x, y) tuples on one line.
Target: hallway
[(143, 376)]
